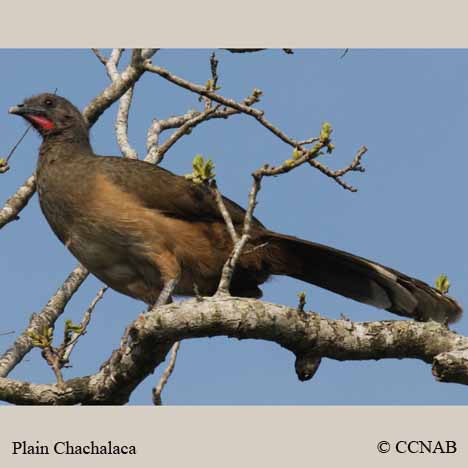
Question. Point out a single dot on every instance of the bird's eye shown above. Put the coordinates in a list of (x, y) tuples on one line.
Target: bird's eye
[(48, 102)]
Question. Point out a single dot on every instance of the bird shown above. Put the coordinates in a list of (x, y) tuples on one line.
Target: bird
[(149, 233)]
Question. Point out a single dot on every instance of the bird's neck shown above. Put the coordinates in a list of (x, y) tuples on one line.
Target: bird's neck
[(64, 146), (69, 136)]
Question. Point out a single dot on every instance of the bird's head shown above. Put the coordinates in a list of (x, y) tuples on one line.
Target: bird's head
[(50, 114)]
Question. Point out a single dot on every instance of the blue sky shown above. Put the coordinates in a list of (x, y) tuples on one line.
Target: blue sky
[(410, 107)]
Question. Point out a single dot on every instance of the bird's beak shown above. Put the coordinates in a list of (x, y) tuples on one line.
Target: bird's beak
[(23, 110)]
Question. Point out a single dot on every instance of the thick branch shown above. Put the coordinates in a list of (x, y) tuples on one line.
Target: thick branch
[(150, 337), (121, 122), (121, 125), (117, 88), (452, 366), (17, 201)]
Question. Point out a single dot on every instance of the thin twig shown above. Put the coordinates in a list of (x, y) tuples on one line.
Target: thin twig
[(10, 154), (224, 212), (157, 155), (191, 119), (214, 62), (48, 353), (230, 265), (100, 56), (67, 348), (7, 333), (257, 114), (58, 357), (165, 375), (248, 110), (355, 165), (4, 167), (308, 141), (212, 83)]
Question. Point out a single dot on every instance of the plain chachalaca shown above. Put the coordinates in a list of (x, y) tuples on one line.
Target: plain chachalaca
[(140, 228)]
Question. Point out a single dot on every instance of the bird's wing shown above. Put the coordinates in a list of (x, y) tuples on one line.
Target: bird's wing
[(173, 195)]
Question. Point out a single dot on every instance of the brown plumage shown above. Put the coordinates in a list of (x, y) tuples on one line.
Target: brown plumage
[(138, 227)]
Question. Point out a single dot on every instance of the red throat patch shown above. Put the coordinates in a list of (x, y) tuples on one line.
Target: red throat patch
[(42, 122)]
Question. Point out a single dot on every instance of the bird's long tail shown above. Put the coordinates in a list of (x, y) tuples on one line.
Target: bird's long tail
[(357, 278)]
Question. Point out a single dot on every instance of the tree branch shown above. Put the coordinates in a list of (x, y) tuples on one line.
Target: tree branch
[(44, 319), (259, 116), (150, 337), (100, 56), (166, 375), (121, 122), (117, 88), (190, 119), (156, 153), (230, 265), (67, 347), (451, 366), (17, 201)]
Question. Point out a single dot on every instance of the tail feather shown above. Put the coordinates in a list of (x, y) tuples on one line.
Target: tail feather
[(357, 278)]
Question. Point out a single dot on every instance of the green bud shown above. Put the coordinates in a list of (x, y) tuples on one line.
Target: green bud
[(257, 92), (442, 284), (70, 326), (325, 132), (211, 87), (42, 339), (203, 171), (296, 154)]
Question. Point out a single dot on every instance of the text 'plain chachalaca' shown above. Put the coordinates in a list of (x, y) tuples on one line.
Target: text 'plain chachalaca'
[(139, 227)]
